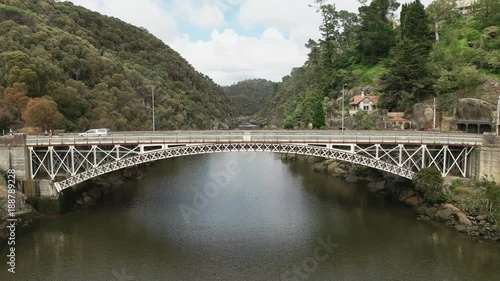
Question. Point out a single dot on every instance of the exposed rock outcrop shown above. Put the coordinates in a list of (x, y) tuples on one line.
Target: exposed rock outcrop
[(479, 226), (443, 214), (462, 219), (474, 109), (413, 201), (422, 116), (377, 186)]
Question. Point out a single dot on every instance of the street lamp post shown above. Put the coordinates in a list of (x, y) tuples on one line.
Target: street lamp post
[(498, 114), (343, 96), (434, 116), (153, 104)]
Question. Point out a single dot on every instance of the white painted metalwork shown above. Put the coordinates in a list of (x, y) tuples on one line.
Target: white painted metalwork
[(307, 137), (77, 164)]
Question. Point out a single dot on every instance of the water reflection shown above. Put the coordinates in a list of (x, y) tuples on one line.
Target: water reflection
[(266, 221)]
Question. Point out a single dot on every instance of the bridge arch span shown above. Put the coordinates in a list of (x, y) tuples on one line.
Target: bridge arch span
[(143, 155), (401, 153)]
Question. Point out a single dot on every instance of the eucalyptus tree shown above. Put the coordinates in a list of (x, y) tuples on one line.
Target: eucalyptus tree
[(439, 11)]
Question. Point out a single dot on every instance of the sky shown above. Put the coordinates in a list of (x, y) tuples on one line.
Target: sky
[(228, 40)]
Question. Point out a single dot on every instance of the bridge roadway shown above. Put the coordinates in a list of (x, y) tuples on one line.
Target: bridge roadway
[(73, 159), (260, 136)]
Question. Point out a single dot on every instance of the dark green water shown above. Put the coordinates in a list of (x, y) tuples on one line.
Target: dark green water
[(270, 222)]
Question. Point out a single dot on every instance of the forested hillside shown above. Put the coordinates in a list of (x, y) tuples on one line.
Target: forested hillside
[(65, 67), (250, 96), (421, 53)]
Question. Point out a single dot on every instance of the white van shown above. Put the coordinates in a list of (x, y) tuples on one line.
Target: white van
[(95, 133)]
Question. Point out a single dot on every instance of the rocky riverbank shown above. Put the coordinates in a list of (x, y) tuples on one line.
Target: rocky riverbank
[(480, 226), (24, 212)]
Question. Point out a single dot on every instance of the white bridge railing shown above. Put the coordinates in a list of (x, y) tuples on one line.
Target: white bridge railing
[(78, 159), (359, 137)]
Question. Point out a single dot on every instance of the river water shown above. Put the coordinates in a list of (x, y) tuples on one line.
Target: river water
[(261, 219)]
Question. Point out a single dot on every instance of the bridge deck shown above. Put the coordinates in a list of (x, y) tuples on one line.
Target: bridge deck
[(188, 137)]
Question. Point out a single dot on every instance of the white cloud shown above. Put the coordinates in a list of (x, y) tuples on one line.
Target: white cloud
[(203, 15), (296, 17), (227, 56), (146, 13)]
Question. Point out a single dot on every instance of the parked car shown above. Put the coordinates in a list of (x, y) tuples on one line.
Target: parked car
[(95, 133)]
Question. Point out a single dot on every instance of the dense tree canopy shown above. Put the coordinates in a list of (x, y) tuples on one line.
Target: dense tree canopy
[(42, 112), (431, 52), (487, 13), (102, 72), (408, 78), (376, 35), (99, 71), (250, 96), (439, 11)]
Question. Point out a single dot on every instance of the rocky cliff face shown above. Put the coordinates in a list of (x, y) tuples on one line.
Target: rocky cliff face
[(422, 114), (474, 109)]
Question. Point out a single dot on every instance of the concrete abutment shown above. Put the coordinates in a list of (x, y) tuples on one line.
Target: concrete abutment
[(14, 155), (44, 197), (485, 161)]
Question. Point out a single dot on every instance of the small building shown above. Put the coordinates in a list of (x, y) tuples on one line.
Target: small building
[(473, 126), (397, 122), (363, 103), (465, 6)]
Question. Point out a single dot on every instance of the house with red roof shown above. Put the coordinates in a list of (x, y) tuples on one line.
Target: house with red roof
[(363, 103), (397, 121)]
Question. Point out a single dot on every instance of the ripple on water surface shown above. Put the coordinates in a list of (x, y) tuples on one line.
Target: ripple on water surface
[(265, 223)]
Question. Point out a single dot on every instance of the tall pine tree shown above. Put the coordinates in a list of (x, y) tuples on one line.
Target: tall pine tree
[(408, 78), (376, 35)]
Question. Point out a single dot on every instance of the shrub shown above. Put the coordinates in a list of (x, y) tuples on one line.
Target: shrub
[(364, 120), (460, 190), (492, 192), (289, 122), (428, 179), (430, 183), (431, 197), (456, 183)]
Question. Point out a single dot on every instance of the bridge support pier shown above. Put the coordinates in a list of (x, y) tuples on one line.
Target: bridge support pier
[(485, 161), (43, 196), (14, 155)]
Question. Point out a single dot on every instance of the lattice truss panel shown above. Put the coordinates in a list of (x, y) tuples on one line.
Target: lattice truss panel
[(415, 157), (79, 164)]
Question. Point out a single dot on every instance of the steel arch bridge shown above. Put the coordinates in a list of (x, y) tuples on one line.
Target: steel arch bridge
[(78, 159)]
